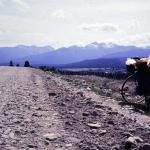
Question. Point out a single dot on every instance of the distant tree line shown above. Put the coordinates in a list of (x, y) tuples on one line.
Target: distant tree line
[(26, 64), (45, 68), (114, 74)]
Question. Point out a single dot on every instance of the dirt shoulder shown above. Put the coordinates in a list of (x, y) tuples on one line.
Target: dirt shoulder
[(107, 91), (27, 117), (81, 109), (42, 111)]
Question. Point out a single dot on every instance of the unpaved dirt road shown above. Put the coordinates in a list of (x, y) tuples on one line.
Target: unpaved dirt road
[(41, 111)]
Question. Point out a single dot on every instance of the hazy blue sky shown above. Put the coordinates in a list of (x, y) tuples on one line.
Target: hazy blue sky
[(68, 22)]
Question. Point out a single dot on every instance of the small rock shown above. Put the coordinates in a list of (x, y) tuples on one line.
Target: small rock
[(72, 112), (32, 131), (27, 120), (129, 144), (85, 113), (51, 136), (39, 108), (99, 109), (74, 139), (146, 146), (17, 132), (127, 134), (69, 145), (98, 106), (93, 131), (102, 132), (88, 88), (52, 94), (94, 113), (68, 123), (7, 131), (66, 99), (116, 147), (132, 130), (62, 104), (88, 98), (46, 142), (94, 125), (132, 141), (32, 146), (113, 112), (16, 121), (80, 93), (11, 135), (111, 122), (36, 115), (89, 102), (35, 96), (138, 139)]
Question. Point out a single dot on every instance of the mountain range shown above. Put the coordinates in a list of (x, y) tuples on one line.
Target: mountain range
[(94, 53), (118, 63), (74, 54)]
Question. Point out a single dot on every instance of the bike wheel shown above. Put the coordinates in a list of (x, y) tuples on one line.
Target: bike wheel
[(128, 90)]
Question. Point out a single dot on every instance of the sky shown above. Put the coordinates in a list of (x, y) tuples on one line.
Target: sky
[(74, 22)]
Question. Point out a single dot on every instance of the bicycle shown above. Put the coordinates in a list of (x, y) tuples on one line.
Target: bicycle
[(131, 92)]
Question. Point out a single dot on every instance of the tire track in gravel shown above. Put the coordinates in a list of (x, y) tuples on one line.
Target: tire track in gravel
[(6, 87), (27, 118)]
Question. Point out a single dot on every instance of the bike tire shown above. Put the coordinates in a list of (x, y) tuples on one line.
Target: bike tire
[(128, 90)]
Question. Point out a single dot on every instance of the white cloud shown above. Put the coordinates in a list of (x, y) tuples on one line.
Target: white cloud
[(134, 26), (61, 14), (1, 3), (138, 40), (90, 26), (20, 5), (106, 27), (10, 6), (23, 38), (3, 31), (20, 2), (109, 27)]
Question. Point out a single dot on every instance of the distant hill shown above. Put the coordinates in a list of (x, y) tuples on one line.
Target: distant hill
[(134, 51), (21, 51), (77, 53), (116, 60), (118, 63)]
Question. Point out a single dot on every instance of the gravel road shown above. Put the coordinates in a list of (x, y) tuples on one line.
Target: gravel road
[(41, 111)]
